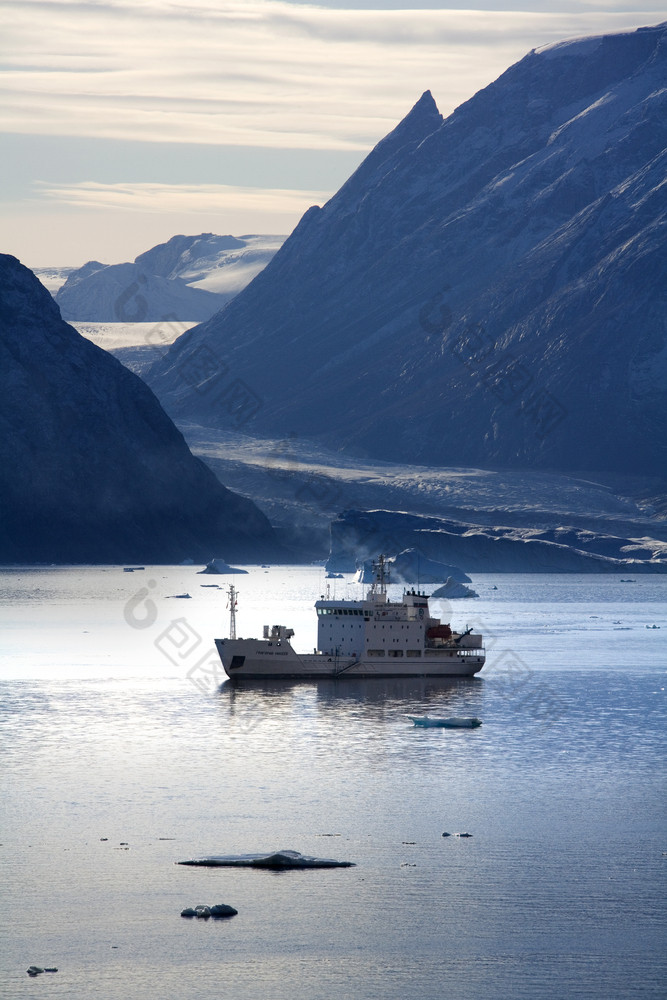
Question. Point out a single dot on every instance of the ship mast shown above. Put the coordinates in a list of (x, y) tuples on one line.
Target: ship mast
[(380, 577), (232, 594)]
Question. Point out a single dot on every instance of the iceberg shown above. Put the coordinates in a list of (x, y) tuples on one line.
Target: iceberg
[(452, 588), (410, 566), (277, 860), (453, 722), (220, 567)]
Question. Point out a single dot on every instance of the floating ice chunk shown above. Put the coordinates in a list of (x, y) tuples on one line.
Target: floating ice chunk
[(280, 859), (453, 722)]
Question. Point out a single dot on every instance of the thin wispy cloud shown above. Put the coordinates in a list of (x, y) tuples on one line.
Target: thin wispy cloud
[(262, 73), (205, 199)]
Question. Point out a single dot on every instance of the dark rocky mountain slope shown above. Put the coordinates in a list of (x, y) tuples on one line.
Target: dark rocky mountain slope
[(486, 290), (91, 467)]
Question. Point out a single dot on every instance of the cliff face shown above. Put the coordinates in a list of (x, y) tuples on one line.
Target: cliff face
[(91, 468), (489, 289)]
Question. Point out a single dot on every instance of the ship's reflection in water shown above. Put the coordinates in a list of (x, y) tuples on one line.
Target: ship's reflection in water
[(377, 694)]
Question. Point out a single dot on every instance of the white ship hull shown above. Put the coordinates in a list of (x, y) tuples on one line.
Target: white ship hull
[(257, 659)]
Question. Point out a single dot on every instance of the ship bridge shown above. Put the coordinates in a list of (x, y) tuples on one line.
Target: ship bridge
[(366, 627)]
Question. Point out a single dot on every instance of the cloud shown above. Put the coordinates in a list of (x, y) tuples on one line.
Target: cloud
[(258, 73), (205, 199)]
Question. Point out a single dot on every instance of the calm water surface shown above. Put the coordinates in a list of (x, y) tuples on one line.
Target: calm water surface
[(121, 754)]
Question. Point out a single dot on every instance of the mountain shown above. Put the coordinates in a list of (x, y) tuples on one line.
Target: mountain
[(487, 290), (187, 278), (91, 467)]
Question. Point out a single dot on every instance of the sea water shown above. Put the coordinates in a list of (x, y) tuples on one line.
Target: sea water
[(124, 751)]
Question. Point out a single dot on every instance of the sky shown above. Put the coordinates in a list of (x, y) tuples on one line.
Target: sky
[(125, 122)]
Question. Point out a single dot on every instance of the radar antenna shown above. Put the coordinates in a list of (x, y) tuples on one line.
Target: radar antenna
[(232, 595)]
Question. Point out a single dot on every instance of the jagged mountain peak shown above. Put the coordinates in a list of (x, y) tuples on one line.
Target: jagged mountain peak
[(424, 111), (421, 121), (473, 274)]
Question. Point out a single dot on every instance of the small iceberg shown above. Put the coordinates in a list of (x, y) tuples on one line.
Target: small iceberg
[(451, 588), (454, 722), (204, 911), (278, 861), (221, 568)]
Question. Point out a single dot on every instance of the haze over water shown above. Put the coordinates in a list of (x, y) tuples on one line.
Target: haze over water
[(115, 731)]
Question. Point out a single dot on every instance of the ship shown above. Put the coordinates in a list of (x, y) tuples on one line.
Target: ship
[(371, 637)]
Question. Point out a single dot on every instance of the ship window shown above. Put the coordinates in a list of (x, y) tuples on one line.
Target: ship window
[(413, 652), (376, 652), (395, 652)]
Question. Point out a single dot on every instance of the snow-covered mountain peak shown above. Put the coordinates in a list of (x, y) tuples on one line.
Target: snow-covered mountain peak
[(168, 259), (188, 278), (585, 46)]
